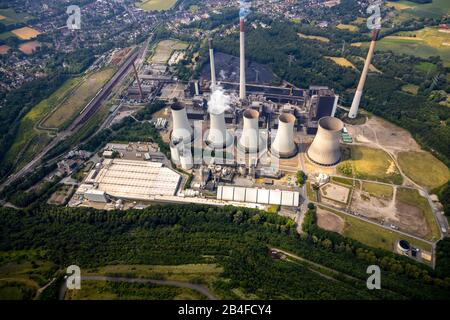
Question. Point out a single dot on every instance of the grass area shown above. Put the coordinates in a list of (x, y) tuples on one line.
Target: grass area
[(410, 88), (273, 208), (401, 5), (424, 169), (318, 38), (198, 273), (104, 290), (78, 99), (344, 181), (156, 5), (413, 198), (422, 43), (348, 27), (378, 190), (374, 235), (22, 272), (28, 141), (435, 9), (427, 67), (371, 164), (165, 49), (310, 193), (343, 62), (10, 16)]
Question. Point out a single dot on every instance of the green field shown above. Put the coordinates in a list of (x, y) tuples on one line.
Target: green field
[(78, 99), (422, 43), (413, 197), (374, 235), (410, 88), (424, 169), (378, 190), (435, 9), (11, 17), (103, 290), (29, 141), (164, 50), (156, 5), (371, 164)]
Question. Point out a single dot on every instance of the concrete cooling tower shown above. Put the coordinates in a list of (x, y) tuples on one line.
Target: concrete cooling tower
[(325, 149), (251, 141), (284, 146), (182, 130), (218, 135)]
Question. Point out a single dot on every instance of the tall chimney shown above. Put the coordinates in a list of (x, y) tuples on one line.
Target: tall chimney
[(357, 99), (242, 93), (213, 66), (138, 81)]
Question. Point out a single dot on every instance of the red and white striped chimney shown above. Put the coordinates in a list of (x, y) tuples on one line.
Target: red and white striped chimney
[(242, 92)]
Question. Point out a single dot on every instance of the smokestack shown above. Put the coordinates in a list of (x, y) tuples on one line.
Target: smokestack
[(138, 81), (218, 136), (242, 91), (359, 90), (325, 149), (250, 141), (213, 66), (181, 128), (284, 145)]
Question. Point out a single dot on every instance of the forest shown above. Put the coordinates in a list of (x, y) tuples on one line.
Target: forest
[(236, 238)]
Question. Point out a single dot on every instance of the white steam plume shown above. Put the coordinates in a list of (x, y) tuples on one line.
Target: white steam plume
[(219, 101)]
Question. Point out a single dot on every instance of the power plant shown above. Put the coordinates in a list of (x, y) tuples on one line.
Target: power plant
[(182, 130), (359, 90), (251, 140), (213, 65), (325, 149), (242, 88), (284, 145), (218, 135)]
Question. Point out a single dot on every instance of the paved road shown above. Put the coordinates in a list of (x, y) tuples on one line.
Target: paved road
[(197, 287)]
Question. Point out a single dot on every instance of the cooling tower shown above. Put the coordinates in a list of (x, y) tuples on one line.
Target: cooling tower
[(213, 66), (284, 146), (359, 91), (182, 130), (242, 92), (186, 160), (325, 149), (250, 141), (218, 136)]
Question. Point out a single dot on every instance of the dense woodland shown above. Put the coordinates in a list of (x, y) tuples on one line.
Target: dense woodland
[(238, 239)]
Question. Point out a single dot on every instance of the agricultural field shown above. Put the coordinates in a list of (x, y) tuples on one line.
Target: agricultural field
[(9, 16), (29, 47), (348, 27), (371, 164), (372, 234), (318, 38), (78, 99), (422, 43), (424, 169), (156, 5), (4, 49), (436, 8), (410, 88), (165, 49), (343, 62), (26, 33)]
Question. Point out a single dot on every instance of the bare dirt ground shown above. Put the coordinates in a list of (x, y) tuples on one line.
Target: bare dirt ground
[(329, 221), (411, 219), (379, 131), (335, 192)]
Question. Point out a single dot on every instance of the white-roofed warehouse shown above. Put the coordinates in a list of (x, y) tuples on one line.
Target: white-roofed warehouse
[(140, 180), (261, 196)]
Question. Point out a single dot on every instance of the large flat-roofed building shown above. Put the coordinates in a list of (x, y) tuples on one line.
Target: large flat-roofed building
[(257, 195), (136, 180)]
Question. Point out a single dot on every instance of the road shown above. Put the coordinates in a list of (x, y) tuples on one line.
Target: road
[(82, 118), (179, 284)]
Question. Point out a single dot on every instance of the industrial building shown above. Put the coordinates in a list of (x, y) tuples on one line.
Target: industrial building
[(258, 196), (129, 179)]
